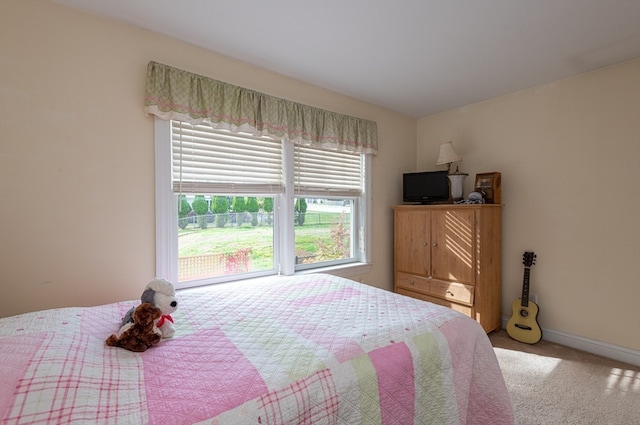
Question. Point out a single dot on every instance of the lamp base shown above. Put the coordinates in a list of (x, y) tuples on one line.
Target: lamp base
[(456, 182)]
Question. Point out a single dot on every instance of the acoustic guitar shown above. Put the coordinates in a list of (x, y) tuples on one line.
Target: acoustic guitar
[(523, 324)]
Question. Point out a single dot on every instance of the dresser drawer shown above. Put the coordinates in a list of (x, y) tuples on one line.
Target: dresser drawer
[(466, 310), (451, 291), (413, 282)]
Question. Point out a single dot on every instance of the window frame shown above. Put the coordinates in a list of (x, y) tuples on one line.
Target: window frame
[(166, 214)]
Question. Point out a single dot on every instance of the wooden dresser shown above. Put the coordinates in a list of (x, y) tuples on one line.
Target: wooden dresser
[(451, 255)]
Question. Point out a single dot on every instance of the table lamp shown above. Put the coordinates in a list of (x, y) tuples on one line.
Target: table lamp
[(456, 180)]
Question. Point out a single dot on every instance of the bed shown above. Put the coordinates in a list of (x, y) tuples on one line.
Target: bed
[(309, 349)]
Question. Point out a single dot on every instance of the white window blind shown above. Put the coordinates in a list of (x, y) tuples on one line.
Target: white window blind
[(206, 160), (321, 173)]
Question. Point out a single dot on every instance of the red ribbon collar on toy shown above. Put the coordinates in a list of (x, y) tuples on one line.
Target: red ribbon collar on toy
[(163, 318)]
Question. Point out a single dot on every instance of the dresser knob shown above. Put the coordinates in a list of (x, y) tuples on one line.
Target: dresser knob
[(411, 282), (435, 244)]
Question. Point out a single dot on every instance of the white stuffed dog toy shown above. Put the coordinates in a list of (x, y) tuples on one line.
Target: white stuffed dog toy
[(162, 294)]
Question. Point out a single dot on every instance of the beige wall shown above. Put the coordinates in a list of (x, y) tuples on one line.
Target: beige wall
[(77, 159), (569, 153)]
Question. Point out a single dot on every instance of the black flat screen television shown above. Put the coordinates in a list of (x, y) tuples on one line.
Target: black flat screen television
[(428, 187)]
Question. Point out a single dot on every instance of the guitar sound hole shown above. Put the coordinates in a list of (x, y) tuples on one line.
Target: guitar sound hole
[(524, 313)]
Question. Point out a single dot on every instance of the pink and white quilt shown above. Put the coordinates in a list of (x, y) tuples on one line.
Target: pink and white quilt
[(310, 349)]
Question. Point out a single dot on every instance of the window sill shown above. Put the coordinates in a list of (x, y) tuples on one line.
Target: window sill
[(343, 270)]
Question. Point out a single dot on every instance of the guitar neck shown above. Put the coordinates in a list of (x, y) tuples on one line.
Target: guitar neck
[(525, 287)]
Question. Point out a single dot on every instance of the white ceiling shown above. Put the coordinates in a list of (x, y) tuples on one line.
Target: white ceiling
[(415, 57)]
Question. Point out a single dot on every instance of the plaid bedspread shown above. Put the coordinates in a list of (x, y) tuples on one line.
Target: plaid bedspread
[(311, 349)]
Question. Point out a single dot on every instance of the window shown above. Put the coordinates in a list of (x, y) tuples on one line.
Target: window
[(232, 205)]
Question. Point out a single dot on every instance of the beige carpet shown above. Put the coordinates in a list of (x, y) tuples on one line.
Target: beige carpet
[(553, 384)]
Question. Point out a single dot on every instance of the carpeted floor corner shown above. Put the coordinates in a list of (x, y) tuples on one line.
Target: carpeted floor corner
[(553, 384)]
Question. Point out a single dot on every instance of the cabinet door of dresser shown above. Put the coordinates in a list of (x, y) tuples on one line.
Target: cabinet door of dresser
[(411, 238), (453, 245)]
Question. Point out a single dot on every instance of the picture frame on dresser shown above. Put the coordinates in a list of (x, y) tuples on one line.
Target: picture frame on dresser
[(490, 184)]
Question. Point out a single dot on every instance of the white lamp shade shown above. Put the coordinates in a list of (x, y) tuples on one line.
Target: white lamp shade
[(447, 154)]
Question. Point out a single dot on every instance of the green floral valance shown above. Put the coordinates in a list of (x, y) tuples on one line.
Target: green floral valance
[(174, 94)]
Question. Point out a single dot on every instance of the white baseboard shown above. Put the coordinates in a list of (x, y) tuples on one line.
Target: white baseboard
[(611, 351)]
